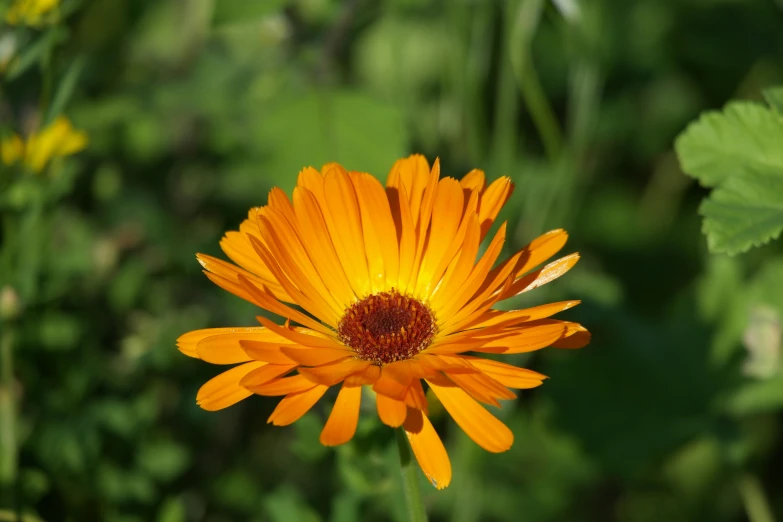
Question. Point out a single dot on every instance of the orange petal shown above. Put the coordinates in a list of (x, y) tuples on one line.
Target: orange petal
[(492, 200), (377, 222), (541, 249), (576, 336), (446, 217), (394, 380), (523, 340), (512, 317), (265, 374), (474, 180), (265, 351), (368, 376), (483, 388), (480, 425), (391, 411), (341, 425), (187, 343), (415, 397), (406, 233), (319, 246), (224, 390), (283, 386), (291, 408), (315, 356), (428, 449), (540, 277), (343, 219), (508, 375), (331, 374)]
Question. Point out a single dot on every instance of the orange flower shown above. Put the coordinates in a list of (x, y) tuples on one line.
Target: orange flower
[(393, 295)]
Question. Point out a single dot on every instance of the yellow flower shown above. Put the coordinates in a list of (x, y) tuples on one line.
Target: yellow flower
[(393, 295), (29, 12), (58, 139)]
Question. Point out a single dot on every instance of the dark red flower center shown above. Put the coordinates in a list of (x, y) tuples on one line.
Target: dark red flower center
[(387, 327)]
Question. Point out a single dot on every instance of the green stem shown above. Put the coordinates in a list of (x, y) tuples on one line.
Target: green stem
[(410, 480), (8, 457), (536, 102), (754, 499)]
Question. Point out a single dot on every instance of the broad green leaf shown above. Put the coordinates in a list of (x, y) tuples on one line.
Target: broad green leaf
[(739, 152), (719, 145), (745, 211)]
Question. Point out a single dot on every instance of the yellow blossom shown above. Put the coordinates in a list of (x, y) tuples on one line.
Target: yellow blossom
[(29, 12), (56, 140)]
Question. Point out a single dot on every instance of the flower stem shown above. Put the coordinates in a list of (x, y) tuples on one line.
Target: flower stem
[(8, 458), (410, 480), (756, 504)]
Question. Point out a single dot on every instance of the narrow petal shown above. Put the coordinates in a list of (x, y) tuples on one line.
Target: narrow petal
[(266, 351), (391, 411), (483, 388), (343, 220), (446, 218), (394, 380), (320, 249), (540, 277), (341, 425), (291, 408), (513, 317), (406, 233), (315, 356), (265, 374), (224, 390), (576, 336), (474, 180), (331, 374), (480, 425), (492, 200), (508, 375), (283, 386), (188, 342), (428, 449)]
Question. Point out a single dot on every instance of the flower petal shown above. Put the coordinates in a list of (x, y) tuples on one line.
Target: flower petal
[(265, 374), (341, 425), (224, 390), (480, 425), (391, 411), (428, 449), (283, 386), (315, 356), (291, 408), (331, 374)]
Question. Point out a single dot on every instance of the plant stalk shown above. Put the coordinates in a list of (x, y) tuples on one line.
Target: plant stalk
[(8, 456), (410, 480)]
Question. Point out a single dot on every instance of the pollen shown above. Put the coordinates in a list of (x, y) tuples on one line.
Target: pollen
[(387, 327)]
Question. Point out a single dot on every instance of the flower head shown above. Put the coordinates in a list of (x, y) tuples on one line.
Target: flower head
[(57, 139), (395, 295), (30, 12)]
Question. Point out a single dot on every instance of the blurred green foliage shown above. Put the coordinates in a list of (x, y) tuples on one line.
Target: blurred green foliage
[(196, 108)]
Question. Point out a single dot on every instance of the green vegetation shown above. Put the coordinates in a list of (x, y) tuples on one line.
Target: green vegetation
[(601, 111)]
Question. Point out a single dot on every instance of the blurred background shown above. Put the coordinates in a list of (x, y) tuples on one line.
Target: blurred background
[(145, 129)]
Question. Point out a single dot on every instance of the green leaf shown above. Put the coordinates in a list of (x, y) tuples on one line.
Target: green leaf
[(744, 211), (739, 152), (720, 145), (66, 88), (238, 11), (774, 97)]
